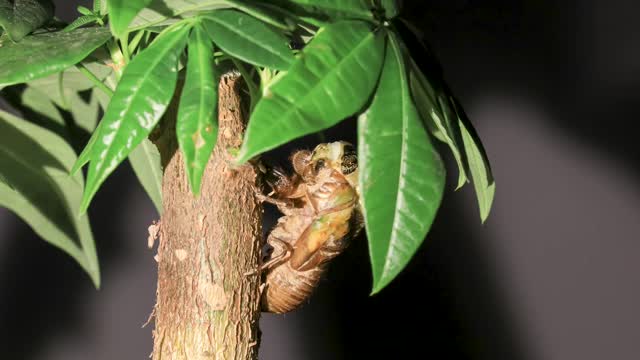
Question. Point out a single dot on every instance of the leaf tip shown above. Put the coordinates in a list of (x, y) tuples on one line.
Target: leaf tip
[(378, 286), (87, 196), (195, 187), (486, 210), (76, 166), (95, 279), (115, 30)]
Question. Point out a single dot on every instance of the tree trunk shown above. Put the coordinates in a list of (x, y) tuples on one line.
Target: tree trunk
[(207, 306)]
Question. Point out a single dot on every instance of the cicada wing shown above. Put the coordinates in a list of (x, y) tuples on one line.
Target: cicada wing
[(326, 230)]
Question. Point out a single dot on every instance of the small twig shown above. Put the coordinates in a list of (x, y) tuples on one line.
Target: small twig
[(94, 79)]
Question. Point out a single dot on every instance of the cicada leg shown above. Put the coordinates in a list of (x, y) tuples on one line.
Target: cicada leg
[(280, 258), (283, 256), (337, 208), (280, 203)]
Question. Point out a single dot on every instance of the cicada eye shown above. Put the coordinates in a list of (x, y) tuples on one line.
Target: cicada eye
[(320, 164), (300, 160), (349, 163), (348, 150)]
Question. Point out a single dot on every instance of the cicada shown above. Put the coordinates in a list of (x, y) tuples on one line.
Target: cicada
[(321, 214)]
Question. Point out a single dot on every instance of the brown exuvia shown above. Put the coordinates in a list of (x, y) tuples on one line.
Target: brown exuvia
[(321, 213)]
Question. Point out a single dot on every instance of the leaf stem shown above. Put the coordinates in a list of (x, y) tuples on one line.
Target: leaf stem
[(63, 97), (124, 45), (133, 45), (116, 58), (94, 79)]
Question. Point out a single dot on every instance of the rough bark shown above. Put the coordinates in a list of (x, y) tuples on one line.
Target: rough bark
[(207, 306)]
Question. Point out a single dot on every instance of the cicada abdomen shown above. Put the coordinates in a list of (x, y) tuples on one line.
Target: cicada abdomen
[(314, 231)]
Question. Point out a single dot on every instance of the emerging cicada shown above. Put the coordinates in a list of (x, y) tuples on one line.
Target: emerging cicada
[(321, 213)]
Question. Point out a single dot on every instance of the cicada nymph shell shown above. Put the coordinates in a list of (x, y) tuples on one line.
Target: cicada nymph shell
[(321, 214)]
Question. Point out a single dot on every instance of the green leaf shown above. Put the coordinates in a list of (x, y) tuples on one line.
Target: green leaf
[(433, 97), (84, 11), (450, 123), (197, 125), (32, 99), (163, 12), (20, 17), (267, 13), (45, 95), (479, 165), (401, 174), (83, 113), (439, 115), (72, 81), (56, 105), (391, 8), (66, 95), (79, 22), (248, 39), (332, 79), (98, 6), (87, 152), (331, 9), (122, 12), (35, 163), (145, 161), (40, 55), (4, 181), (142, 96)]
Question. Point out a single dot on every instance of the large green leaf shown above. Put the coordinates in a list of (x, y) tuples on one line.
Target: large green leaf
[(145, 161), (20, 17), (197, 125), (142, 96), (122, 12), (331, 9), (436, 110), (432, 95), (446, 118), (66, 103), (248, 39), (163, 12), (40, 109), (4, 181), (35, 104), (72, 81), (332, 79), (267, 12), (101, 7), (40, 55), (80, 22), (391, 8), (401, 174), (34, 163), (479, 166), (88, 151), (64, 90)]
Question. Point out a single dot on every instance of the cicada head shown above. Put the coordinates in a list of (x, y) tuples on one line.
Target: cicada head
[(339, 156)]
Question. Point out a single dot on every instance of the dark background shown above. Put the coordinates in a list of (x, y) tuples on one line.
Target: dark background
[(553, 88)]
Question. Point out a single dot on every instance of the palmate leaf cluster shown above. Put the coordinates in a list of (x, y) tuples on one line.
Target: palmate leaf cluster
[(308, 65)]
